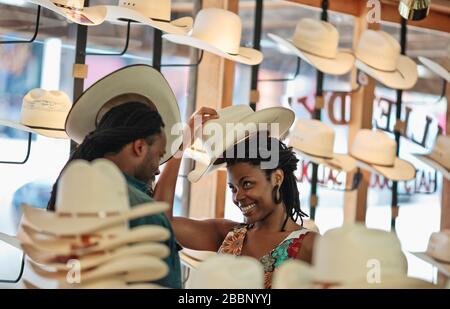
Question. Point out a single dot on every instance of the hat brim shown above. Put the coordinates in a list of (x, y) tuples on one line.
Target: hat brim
[(246, 55), (341, 64), (282, 116), (405, 77), (138, 79), (61, 134), (50, 223), (435, 68), (435, 165), (10, 240), (340, 162), (117, 14), (441, 266), (402, 170), (89, 16)]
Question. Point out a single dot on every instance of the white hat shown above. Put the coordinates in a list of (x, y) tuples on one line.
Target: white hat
[(142, 80), (376, 152), (155, 13), (226, 271), (90, 197), (193, 258), (218, 31), (75, 11), (436, 68), (438, 251), (315, 142), (43, 112), (378, 55), (316, 42), (439, 158), (234, 124), (345, 255)]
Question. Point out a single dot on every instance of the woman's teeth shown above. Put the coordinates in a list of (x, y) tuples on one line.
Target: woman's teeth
[(246, 209)]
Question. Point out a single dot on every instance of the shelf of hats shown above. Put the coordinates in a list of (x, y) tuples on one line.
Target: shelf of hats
[(101, 186)]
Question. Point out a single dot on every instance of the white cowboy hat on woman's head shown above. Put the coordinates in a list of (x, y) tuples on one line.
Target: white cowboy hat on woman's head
[(75, 11), (43, 112), (218, 31), (436, 68), (376, 152), (316, 42), (439, 157), (141, 81), (234, 124), (438, 251), (154, 13), (378, 55), (314, 140)]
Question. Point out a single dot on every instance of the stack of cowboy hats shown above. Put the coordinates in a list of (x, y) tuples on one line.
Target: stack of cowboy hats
[(438, 251), (87, 242)]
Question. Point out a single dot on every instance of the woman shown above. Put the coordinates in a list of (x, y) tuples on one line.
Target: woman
[(269, 201)]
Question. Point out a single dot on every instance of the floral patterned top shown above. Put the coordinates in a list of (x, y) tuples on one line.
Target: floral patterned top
[(288, 248)]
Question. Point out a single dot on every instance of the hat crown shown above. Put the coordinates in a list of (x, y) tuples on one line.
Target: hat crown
[(439, 245), (441, 151), (92, 188), (77, 4), (42, 108), (379, 50), (220, 28), (313, 137), (155, 9), (374, 147), (316, 37)]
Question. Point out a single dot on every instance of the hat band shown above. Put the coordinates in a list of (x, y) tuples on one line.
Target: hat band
[(386, 71), (364, 161), (321, 56), (315, 155), (45, 128), (72, 8)]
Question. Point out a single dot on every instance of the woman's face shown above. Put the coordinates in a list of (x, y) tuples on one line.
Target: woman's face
[(252, 191)]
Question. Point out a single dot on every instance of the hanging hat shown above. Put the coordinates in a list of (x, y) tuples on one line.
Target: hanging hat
[(154, 13), (378, 55), (75, 11), (439, 157), (316, 42), (314, 140), (438, 251), (436, 68), (140, 80), (376, 152), (90, 197), (43, 112), (225, 271), (234, 124), (341, 256), (193, 258), (218, 31)]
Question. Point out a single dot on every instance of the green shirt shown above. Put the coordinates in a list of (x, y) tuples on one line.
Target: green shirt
[(138, 193)]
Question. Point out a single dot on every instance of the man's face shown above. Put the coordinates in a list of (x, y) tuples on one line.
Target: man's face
[(148, 168)]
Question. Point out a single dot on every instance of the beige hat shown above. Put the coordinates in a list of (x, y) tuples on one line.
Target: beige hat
[(234, 124), (439, 158), (226, 271), (75, 11), (315, 142), (43, 112), (316, 42), (438, 251), (142, 80), (436, 68), (376, 152), (378, 55), (154, 13), (218, 31), (346, 255), (90, 197), (116, 282), (193, 258)]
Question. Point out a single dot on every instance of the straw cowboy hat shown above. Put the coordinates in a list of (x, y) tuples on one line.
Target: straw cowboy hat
[(438, 251), (314, 140), (218, 31), (316, 42), (234, 124), (154, 13), (226, 271), (193, 258), (137, 80), (90, 197), (346, 255), (378, 55), (75, 11), (376, 152), (439, 157), (435, 68), (43, 112), (115, 282)]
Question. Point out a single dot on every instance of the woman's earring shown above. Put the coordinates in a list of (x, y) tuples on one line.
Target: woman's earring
[(276, 195)]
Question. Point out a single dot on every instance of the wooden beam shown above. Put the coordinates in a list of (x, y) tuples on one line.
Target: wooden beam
[(445, 203)]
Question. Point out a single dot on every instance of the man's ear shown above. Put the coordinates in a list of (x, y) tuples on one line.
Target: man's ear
[(139, 147), (277, 177)]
